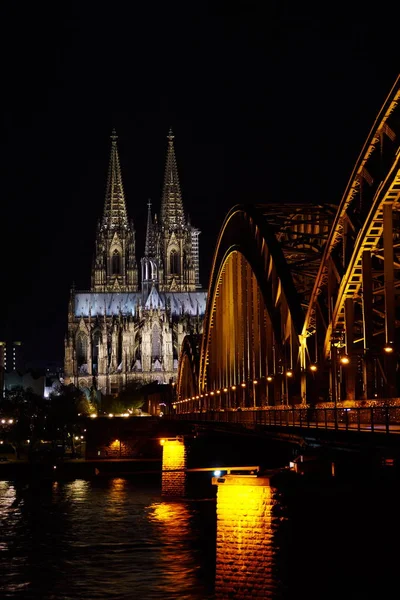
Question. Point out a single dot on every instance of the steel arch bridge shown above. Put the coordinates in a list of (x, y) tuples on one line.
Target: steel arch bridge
[(303, 299)]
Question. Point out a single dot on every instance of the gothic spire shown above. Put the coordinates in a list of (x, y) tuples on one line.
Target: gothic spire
[(115, 215), (171, 204), (149, 249)]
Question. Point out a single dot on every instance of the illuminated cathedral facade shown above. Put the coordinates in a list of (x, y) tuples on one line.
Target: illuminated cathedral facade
[(128, 327)]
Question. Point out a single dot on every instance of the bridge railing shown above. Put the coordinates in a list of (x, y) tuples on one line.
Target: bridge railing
[(384, 419)]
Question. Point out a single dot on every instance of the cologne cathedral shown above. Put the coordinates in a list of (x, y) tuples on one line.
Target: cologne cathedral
[(124, 330)]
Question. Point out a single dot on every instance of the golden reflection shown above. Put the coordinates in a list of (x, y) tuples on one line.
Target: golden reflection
[(171, 522), (76, 490), (118, 489), (245, 530), (8, 496), (173, 514)]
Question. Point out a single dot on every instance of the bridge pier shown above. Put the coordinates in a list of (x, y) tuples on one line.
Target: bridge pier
[(174, 458), (245, 528)]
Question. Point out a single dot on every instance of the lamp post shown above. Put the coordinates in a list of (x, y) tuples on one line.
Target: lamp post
[(172, 396), (255, 382)]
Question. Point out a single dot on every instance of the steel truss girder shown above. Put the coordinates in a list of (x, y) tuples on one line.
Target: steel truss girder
[(251, 231), (367, 239), (363, 172)]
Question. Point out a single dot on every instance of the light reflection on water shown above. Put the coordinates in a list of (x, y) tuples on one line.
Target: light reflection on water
[(100, 539), (114, 539)]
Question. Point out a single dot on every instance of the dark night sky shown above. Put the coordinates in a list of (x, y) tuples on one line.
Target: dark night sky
[(267, 105)]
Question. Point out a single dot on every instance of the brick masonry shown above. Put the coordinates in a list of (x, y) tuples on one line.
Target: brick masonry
[(245, 550), (173, 468)]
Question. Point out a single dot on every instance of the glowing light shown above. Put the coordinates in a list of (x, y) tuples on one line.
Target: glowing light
[(388, 348), (218, 392), (3, 421), (93, 415), (174, 406), (54, 467), (211, 393), (255, 381), (233, 387), (269, 378), (162, 442), (345, 360), (243, 384), (289, 373), (225, 389), (77, 437), (313, 368), (217, 473), (173, 468), (110, 415), (238, 499), (11, 421)]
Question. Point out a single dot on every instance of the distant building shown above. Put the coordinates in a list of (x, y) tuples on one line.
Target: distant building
[(15, 374), (36, 381), (11, 361), (11, 356), (123, 330), (41, 382)]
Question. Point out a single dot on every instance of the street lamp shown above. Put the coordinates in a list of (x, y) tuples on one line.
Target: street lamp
[(388, 348), (344, 360)]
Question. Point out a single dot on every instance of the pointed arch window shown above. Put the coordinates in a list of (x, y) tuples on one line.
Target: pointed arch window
[(174, 263), (95, 351), (81, 350), (156, 342), (116, 263)]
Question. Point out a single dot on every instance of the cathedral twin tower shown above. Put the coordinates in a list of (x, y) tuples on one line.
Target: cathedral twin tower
[(120, 331)]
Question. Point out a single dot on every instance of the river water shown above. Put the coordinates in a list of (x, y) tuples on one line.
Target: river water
[(116, 538)]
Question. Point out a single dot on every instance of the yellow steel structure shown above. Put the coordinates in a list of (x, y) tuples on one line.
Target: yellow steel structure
[(303, 294)]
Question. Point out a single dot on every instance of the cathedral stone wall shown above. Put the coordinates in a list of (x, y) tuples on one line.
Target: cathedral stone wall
[(121, 331)]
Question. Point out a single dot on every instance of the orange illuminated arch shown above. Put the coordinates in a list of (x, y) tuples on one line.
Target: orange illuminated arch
[(253, 309)]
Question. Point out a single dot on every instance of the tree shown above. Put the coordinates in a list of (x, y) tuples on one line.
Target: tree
[(27, 410), (132, 396), (65, 408)]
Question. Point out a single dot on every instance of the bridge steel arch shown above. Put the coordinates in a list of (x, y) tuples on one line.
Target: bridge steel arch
[(353, 308), (251, 353), (188, 376), (310, 294)]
